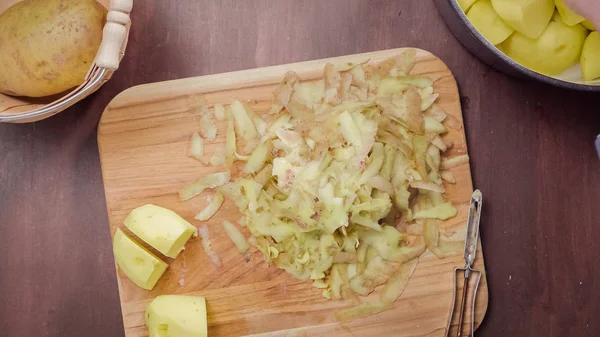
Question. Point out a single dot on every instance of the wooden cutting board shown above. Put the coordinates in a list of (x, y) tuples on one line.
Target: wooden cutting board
[(143, 139)]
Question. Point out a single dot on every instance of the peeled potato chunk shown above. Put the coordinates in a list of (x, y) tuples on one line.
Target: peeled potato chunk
[(161, 228), (587, 24), (556, 50), (528, 17), (141, 266), (569, 17), (590, 57), (466, 4), (177, 316), (488, 23)]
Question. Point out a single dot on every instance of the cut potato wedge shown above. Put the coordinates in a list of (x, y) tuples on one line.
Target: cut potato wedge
[(588, 24), (555, 51), (141, 266), (528, 17), (161, 228), (483, 16), (211, 209), (590, 57), (569, 17), (177, 316)]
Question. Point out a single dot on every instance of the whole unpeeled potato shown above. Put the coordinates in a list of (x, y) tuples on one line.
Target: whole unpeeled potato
[(47, 46)]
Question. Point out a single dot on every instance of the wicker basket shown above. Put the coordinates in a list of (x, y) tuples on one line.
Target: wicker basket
[(110, 53)]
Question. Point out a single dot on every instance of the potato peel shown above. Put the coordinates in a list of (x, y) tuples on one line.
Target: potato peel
[(219, 112), (236, 236), (206, 245), (395, 286), (211, 209), (331, 172), (196, 150), (244, 125), (208, 128), (454, 161), (283, 93), (208, 181)]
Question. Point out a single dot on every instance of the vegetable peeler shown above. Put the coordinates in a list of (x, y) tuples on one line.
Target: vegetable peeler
[(468, 271)]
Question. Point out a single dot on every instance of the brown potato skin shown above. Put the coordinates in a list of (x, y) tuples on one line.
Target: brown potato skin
[(47, 46)]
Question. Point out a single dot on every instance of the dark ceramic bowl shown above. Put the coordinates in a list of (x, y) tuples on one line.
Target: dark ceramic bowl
[(464, 31)]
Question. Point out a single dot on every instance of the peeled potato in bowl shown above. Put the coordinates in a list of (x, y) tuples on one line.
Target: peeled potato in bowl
[(545, 36), (466, 4), (590, 57), (569, 17), (488, 22), (528, 17), (555, 51), (587, 24)]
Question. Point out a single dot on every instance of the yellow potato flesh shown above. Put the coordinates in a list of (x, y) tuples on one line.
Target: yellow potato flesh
[(177, 316), (161, 228), (488, 23), (569, 17), (590, 57), (528, 17), (556, 50), (587, 24), (466, 4), (141, 266), (47, 46)]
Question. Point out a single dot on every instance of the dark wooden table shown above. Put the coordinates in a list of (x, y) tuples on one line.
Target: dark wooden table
[(530, 144)]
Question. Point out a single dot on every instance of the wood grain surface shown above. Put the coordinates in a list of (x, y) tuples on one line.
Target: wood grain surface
[(531, 149), (143, 139)]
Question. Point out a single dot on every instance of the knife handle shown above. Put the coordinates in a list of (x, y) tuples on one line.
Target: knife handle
[(473, 228)]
